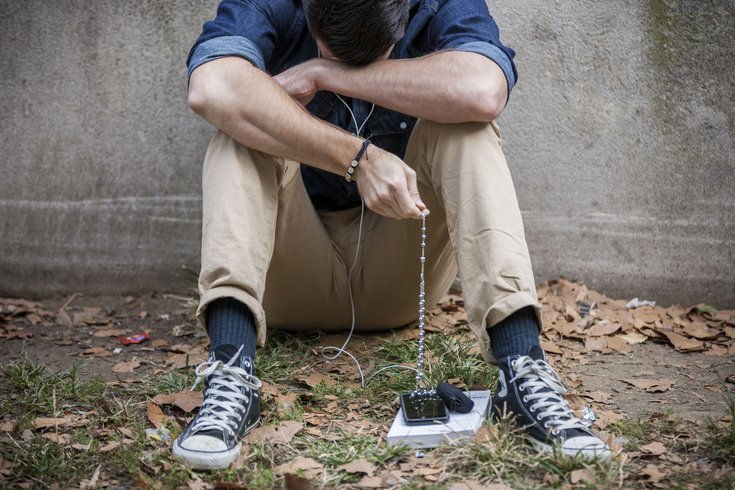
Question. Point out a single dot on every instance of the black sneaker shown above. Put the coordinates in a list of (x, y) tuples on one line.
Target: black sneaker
[(530, 391), (231, 408)]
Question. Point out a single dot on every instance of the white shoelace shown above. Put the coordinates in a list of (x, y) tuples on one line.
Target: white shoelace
[(552, 408), (223, 396)]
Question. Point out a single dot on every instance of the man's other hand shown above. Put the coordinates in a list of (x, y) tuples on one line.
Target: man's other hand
[(388, 185), (300, 81)]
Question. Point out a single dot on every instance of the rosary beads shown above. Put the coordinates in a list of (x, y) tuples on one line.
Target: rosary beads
[(421, 389)]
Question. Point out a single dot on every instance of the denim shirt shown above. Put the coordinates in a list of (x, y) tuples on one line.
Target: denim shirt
[(273, 35)]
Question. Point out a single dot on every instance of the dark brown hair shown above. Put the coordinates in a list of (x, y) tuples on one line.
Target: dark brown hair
[(357, 31)]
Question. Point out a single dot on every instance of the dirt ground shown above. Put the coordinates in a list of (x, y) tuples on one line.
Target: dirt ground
[(89, 334)]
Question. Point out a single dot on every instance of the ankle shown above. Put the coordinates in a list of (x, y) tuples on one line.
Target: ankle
[(516, 334), (230, 322)]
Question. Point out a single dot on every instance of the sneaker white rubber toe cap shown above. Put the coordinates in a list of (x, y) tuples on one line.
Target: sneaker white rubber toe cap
[(588, 446), (205, 453)]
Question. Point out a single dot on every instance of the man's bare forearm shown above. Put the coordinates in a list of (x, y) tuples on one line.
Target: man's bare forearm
[(247, 104), (447, 87)]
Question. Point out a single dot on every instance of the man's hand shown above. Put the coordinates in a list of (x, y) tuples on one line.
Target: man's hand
[(388, 185), (300, 81)]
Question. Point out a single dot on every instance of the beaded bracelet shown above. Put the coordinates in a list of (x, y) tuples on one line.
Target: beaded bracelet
[(356, 161)]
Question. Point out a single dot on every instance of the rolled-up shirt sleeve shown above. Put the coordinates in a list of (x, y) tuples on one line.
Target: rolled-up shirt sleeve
[(246, 29), (466, 25)]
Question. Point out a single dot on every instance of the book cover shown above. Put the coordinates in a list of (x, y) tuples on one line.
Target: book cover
[(461, 426)]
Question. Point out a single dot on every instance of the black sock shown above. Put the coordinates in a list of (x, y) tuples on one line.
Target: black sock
[(231, 322), (515, 335)]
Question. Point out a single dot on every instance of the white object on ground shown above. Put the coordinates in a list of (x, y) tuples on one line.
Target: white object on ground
[(461, 426), (635, 303)]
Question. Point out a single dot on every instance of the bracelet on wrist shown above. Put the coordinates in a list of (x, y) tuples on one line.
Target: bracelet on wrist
[(356, 161)]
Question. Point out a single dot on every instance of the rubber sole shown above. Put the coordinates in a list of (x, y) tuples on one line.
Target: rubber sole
[(602, 453), (200, 460)]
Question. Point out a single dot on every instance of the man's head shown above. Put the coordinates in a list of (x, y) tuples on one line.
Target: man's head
[(357, 32)]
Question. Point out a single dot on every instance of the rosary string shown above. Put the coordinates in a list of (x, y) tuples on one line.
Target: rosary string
[(421, 388)]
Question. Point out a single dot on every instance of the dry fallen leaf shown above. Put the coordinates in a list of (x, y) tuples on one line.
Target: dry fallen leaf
[(700, 330), (274, 434), (358, 466), (62, 439), (550, 347), (427, 471), (681, 343), (654, 448), (186, 400), (155, 415), (7, 425), (125, 367), (45, 422), (178, 361), (551, 479), (594, 344), (292, 481), (92, 482), (110, 446), (476, 485), (651, 385), (618, 344), (310, 467), (582, 475), (199, 485), (285, 402), (717, 350), (653, 473), (63, 318), (634, 338), (599, 397), (604, 327), (371, 482), (111, 332), (314, 379), (268, 389), (605, 417), (96, 352), (646, 314)]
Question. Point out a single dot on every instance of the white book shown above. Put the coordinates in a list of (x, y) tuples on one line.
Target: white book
[(460, 426)]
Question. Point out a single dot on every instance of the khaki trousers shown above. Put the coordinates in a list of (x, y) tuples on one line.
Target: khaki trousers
[(265, 245)]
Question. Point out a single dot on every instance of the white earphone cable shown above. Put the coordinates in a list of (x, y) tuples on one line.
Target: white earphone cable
[(342, 350)]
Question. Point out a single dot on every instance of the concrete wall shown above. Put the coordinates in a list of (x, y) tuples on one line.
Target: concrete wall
[(619, 135)]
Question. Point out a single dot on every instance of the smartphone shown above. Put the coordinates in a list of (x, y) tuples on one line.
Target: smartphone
[(423, 409)]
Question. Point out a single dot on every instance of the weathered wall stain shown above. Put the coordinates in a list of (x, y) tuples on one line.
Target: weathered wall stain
[(619, 136)]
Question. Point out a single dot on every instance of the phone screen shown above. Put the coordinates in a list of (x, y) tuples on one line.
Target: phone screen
[(423, 409)]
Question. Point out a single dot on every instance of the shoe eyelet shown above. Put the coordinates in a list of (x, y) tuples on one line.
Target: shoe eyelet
[(546, 425), (525, 399)]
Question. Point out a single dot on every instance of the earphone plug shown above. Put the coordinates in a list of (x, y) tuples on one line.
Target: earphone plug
[(454, 398)]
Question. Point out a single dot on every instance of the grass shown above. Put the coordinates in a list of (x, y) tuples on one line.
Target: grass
[(348, 448), (170, 382), (31, 390), (111, 413), (721, 440)]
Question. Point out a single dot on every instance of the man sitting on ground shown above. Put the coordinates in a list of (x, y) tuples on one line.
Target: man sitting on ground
[(341, 122)]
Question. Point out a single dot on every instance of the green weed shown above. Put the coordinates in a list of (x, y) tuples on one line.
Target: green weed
[(721, 440)]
